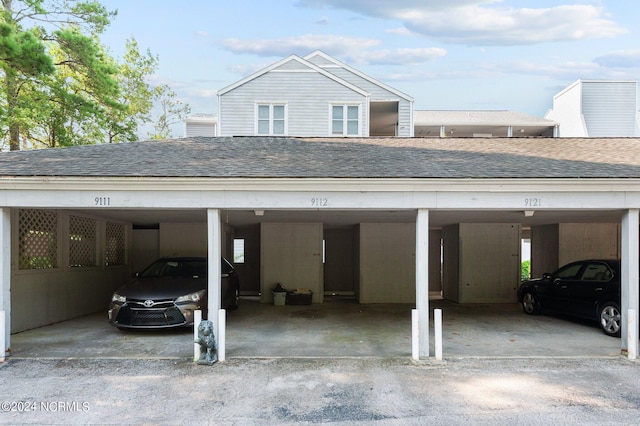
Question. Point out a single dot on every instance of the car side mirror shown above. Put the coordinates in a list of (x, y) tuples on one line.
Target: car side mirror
[(546, 276)]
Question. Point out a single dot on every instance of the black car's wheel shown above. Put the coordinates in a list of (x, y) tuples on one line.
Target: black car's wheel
[(610, 319), (234, 301), (530, 304)]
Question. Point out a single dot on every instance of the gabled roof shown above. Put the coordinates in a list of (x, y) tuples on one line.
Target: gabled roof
[(335, 158), (358, 73), (284, 61)]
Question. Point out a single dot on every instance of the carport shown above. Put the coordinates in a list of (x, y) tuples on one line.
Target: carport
[(396, 193)]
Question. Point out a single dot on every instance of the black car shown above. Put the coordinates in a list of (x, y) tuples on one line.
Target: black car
[(587, 289), (167, 292)]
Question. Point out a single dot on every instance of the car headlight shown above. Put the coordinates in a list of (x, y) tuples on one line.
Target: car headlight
[(118, 298), (191, 298)]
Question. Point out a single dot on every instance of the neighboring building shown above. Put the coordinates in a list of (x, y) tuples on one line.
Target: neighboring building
[(597, 108), (468, 124), (319, 96), (462, 124), (313, 96), (200, 125)]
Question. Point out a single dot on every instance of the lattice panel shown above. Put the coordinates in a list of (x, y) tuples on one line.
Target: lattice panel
[(115, 244), (38, 239), (82, 241)]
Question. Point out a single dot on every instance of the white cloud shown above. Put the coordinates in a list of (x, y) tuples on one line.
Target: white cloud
[(301, 45), (476, 25), (404, 56), (202, 33), (402, 31), (620, 59), (483, 22), (353, 50)]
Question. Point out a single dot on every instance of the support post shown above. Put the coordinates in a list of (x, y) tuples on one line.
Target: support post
[(197, 317), (422, 280), (630, 277), (214, 237), (632, 334), (222, 337), (2, 336), (437, 325), (5, 282), (415, 335)]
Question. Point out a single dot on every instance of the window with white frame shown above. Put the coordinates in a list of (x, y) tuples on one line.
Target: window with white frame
[(272, 119), (345, 120), (238, 250)]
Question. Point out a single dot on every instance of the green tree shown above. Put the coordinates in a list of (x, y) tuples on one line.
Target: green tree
[(525, 270), (172, 111), (75, 103), (135, 92), (54, 73), (60, 87)]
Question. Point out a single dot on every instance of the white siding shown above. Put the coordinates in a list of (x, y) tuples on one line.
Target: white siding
[(568, 112), (609, 108), (307, 95), (376, 93), (596, 109), (199, 129)]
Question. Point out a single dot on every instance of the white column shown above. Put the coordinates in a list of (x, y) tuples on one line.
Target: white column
[(5, 280), (630, 274), (422, 281), (214, 236)]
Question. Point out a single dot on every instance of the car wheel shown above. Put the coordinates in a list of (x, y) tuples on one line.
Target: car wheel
[(235, 300), (530, 304), (610, 319)]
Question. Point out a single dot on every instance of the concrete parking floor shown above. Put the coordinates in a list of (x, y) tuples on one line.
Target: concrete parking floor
[(337, 363), (337, 328)]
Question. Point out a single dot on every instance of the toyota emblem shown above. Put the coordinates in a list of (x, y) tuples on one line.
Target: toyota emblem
[(148, 303)]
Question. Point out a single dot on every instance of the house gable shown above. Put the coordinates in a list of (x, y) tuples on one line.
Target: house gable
[(338, 68), (291, 63), (292, 97), (390, 110)]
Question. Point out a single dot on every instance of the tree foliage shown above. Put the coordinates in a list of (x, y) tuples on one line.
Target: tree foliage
[(172, 111), (59, 86)]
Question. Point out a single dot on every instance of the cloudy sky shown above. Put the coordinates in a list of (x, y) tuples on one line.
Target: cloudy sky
[(447, 55)]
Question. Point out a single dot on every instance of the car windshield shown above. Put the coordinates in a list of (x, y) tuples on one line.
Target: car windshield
[(176, 268)]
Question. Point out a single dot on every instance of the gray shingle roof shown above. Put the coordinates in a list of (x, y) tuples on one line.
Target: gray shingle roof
[(253, 157)]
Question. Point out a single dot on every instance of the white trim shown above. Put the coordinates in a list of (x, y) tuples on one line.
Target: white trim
[(13, 187), (339, 64), (271, 105), (282, 62), (214, 246), (422, 281), (345, 118), (5, 281), (630, 276)]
